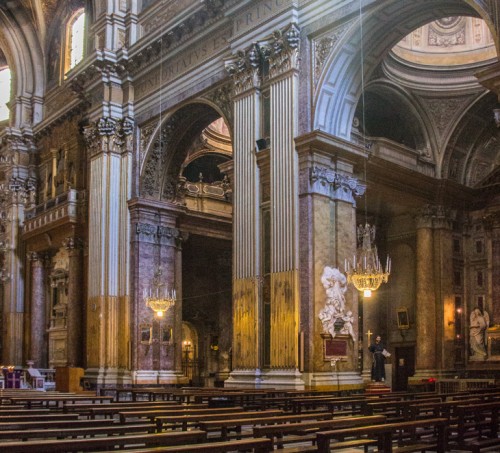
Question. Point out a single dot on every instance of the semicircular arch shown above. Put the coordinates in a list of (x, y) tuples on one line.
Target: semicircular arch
[(382, 27), (168, 147)]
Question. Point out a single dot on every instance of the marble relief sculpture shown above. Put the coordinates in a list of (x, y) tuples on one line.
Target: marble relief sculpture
[(479, 322), (333, 313)]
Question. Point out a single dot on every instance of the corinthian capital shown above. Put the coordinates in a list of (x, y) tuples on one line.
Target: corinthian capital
[(108, 134), (245, 69), (283, 50)]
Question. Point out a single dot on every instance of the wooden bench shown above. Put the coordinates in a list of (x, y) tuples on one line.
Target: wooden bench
[(64, 433), (445, 409), (105, 443), (35, 418), (473, 422), (384, 435), (236, 424), (72, 423), (194, 420), (262, 445), (181, 411), (306, 430), (395, 410), (54, 400), (124, 405)]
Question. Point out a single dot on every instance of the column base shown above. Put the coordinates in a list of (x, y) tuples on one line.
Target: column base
[(336, 381), (286, 379), (425, 374), (158, 377), (107, 377)]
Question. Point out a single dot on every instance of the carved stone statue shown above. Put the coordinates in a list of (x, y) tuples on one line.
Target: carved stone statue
[(479, 322), (335, 284)]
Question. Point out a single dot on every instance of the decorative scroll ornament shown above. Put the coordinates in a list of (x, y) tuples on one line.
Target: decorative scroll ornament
[(157, 296), (365, 271)]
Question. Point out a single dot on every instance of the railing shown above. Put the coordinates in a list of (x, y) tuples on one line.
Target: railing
[(460, 385)]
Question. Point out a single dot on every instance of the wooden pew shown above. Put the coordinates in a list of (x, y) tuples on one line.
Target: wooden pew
[(473, 422), (54, 400), (194, 420), (70, 424), (261, 445), (445, 409), (306, 430), (105, 443), (181, 411), (385, 435), (35, 418), (395, 410), (64, 433), (236, 424)]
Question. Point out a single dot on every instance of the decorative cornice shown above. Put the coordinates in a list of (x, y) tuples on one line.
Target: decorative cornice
[(337, 186), (435, 216)]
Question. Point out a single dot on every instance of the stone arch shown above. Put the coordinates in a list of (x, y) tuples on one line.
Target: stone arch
[(21, 46), (412, 121), (383, 26), (167, 150), (472, 148)]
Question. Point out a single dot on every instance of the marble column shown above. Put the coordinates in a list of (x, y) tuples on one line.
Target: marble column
[(425, 309), (74, 313), (247, 310), (445, 308), (38, 315)]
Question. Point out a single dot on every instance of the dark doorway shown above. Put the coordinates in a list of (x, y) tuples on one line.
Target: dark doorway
[(405, 367)]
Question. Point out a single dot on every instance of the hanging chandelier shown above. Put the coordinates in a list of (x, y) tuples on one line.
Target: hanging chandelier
[(366, 272), (158, 297)]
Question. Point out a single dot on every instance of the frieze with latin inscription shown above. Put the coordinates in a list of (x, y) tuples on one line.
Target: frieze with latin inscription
[(181, 64)]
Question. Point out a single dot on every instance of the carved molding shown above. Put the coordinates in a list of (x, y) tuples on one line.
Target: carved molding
[(283, 51), (245, 69), (323, 48), (435, 216), (108, 134), (221, 97), (338, 187)]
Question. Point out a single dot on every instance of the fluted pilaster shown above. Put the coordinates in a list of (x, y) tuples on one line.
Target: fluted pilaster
[(284, 199), (109, 145), (245, 70)]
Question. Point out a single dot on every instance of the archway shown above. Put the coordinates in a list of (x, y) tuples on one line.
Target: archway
[(185, 177)]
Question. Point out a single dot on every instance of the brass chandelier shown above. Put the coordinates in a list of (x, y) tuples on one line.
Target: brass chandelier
[(366, 272), (158, 297)]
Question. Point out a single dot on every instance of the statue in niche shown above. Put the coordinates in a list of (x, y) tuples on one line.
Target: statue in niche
[(333, 313), (59, 177), (479, 322)]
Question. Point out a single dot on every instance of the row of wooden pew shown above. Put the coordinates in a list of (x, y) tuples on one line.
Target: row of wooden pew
[(319, 422)]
